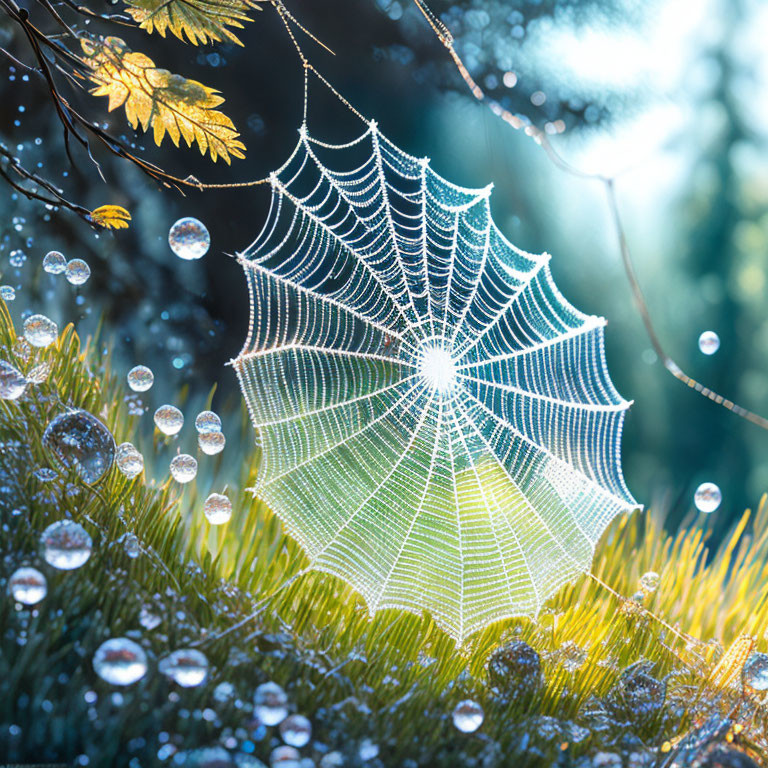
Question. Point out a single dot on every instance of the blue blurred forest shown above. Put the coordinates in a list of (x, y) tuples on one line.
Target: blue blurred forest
[(667, 96)]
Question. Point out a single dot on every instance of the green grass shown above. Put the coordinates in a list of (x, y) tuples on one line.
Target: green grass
[(393, 679)]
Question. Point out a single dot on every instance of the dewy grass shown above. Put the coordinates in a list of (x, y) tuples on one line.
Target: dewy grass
[(393, 679)]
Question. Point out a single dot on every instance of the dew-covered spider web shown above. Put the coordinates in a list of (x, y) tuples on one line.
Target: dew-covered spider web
[(437, 422)]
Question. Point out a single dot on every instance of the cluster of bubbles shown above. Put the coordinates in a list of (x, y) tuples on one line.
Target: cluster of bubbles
[(76, 271)]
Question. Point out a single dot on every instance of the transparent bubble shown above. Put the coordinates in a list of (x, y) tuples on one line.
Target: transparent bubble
[(66, 545), (128, 459), (296, 730), (208, 421), (187, 667), (54, 262), (217, 509), (707, 497), (77, 272), (468, 716), (17, 258), (7, 292), (211, 443), (709, 342), (140, 378), (270, 704), (12, 382), (183, 468), (189, 239), (169, 419), (649, 582), (285, 757), (755, 672), (40, 331), (80, 440), (120, 661), (27, 585), (132, 545)]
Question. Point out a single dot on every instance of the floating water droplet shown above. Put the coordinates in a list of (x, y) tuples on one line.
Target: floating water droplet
[(132, 545), (468, 716), (77, 272), (270, 704), (649, 582), (169, 419), (217, 509), (223, 692), (17, 258), (120, 661), (709, 342), (80, 440), (707, 497), (296, 730), (148, 619), (12, 382), (183, 468), (40, 373), (40, 331), (332, 760), (129, 461), (7, 292), (285, 757), (140, 378), (66, 545), (208, 421), (211, 443), (515, 668), (54, 262), (186, 667), (189, 238), (27, 585), (754, 674)]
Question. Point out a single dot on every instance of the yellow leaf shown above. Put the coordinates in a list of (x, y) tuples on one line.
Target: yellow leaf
[(155, 98), (111, 217), (202, 21)]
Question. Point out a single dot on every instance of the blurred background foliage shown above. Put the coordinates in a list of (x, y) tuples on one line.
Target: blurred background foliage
[(668, 96)]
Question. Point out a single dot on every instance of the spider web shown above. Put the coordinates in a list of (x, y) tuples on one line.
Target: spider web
[(438, 424)]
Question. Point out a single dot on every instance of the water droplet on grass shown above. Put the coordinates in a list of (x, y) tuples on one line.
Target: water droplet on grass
[(27, 585), (40, 331), (183, 468), (217, 509), (707, 497), (7, 292), (77, 272), (12, 382), (207, 421), (120, 661), (140, 378), (66, 545), (709, 343), (189, 239), (755, 672), (131, 545), (270, 704), (54, 262), (515, 668), (129, 461), (211, 443), (187, 667), (468, 716), (296, 730), (80, 440), (169, 419)]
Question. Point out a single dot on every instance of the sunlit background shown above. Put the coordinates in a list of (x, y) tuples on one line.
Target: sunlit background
[(670, 97)]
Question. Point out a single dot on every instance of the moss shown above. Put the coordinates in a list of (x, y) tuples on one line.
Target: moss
[(394, 679)]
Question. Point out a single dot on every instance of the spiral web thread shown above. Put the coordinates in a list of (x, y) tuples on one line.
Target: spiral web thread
[(438, 424)]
